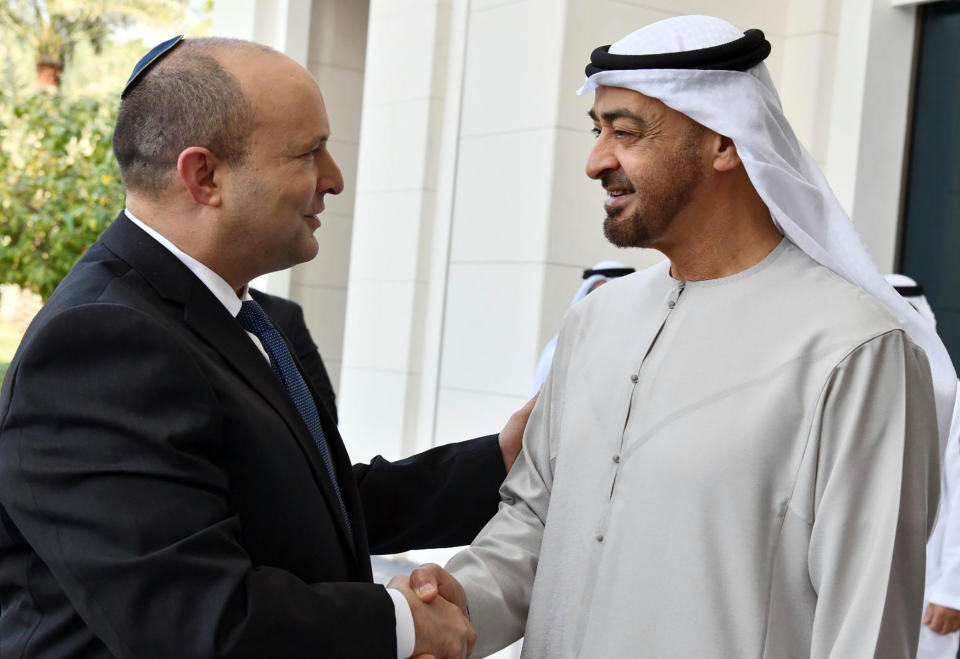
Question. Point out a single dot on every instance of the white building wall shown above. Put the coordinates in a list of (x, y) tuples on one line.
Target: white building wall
[(502, 214), (389, 280), (869, 119)]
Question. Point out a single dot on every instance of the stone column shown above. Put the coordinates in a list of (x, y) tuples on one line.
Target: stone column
[(869, 118), (392, 249)]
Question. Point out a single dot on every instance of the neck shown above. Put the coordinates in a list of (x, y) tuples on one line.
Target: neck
[(726, 235), (191, 236)]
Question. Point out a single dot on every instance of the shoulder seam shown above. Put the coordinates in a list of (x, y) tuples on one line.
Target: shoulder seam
[(820, 395)]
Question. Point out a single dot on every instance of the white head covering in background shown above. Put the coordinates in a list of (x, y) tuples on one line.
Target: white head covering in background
[(744, 106), (589, 281), (597, 276), (912, 292)]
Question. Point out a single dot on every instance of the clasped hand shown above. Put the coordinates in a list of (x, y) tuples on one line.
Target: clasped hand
[(441, 619)]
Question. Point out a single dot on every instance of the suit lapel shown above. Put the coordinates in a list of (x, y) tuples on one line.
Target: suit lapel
[(208, 318)]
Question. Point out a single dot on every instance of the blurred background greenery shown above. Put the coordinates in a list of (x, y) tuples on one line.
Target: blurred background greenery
[(63, 64)]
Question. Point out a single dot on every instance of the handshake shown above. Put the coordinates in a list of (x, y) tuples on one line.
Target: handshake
[(442, 624)]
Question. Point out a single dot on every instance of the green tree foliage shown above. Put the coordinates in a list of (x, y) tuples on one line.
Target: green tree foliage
[(53, 28), (59, 183), (59, 186)]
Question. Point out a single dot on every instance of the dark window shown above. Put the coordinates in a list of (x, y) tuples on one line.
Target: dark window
[(931, 230)]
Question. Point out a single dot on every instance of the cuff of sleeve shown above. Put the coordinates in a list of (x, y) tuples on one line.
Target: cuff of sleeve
[(944, 597), (406, 635)]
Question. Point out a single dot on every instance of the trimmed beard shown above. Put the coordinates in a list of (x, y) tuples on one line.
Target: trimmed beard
[(659, 198)]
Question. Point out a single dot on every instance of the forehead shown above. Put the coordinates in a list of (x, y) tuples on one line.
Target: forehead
[(286, 98), (298, 112), (607, 99)]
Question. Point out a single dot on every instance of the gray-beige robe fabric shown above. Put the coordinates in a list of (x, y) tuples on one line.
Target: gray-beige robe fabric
[(740, 467)]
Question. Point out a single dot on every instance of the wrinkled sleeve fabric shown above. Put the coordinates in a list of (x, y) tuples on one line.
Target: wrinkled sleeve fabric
[(945, 591), (115, 483), (497, 571), (874, 438)]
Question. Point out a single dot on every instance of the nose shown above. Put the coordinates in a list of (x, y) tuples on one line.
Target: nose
[(330, 179), (601, 159)]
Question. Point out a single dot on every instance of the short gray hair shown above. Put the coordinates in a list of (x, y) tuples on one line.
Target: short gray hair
[(186, 99)]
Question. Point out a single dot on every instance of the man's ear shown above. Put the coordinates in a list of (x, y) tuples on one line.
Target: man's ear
[(200, 170), (725, 156)]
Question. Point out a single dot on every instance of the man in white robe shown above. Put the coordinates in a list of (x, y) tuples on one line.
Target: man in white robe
[(941, 606), (736, 451)]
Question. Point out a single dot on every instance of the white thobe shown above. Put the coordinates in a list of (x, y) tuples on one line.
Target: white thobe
[(740, 467), (943, 551)]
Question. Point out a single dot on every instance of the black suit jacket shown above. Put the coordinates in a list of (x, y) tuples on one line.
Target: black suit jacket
[(287, 316), (160, 495)]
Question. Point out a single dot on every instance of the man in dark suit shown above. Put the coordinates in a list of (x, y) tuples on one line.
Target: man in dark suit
[(169, 484)]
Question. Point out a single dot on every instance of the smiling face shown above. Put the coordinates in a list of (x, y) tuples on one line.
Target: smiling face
[(649, 159), (278, 191)]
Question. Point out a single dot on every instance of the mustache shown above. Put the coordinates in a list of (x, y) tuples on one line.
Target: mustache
[(618, 180)]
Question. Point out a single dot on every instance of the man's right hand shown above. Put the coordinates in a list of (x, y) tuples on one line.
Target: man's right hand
[(942, 619), (442, 629), (430, 580)]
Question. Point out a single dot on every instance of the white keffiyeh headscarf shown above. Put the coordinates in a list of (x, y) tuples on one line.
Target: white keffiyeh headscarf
[(744, 106)]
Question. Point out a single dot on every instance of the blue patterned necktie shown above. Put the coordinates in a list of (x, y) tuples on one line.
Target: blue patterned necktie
[(253, 319)]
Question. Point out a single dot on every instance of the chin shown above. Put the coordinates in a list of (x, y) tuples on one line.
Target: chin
[(309, 250), (623, 230), (290, 255)]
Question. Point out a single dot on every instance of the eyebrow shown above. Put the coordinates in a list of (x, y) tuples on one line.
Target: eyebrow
[(311, 145), (619, 113)]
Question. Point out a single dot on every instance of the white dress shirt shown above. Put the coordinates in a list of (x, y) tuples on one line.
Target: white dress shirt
[(406, 634)]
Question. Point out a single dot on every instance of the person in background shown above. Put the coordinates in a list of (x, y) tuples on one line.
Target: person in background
[(939, 638), (593, 279)]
